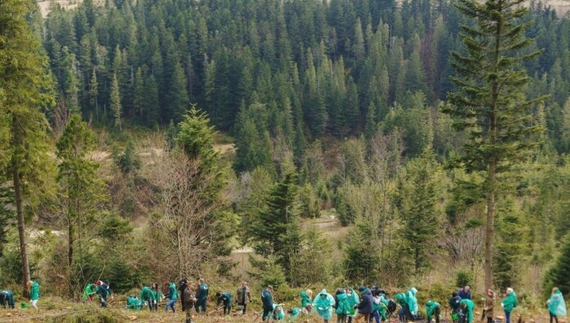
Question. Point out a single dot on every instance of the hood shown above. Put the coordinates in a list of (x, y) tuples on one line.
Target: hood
[(430, 303), (367, 292), (342, 296), (413, 290), (399, 296), (304, 294)]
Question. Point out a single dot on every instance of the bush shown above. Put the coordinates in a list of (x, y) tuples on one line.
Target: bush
[(463, 278)]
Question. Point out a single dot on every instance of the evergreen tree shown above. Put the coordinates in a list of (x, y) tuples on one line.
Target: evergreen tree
[(557, 275), (416, 201), (115, 102), (276, 230), (82, 191), (490, 103), (23, 91)]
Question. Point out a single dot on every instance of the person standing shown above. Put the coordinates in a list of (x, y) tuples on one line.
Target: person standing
[(324, 303), (156, 295), (201, 296), (224, 298), (189, 301), (365, 305), (34, 289), (342, 305), (172, 296), (509, 303), (556, 305), (267, 301), (181, 288), (146, 297), (7, 299), (243, 296), (489, 305), (465, 292)]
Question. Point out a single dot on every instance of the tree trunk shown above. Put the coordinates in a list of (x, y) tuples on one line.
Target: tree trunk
[(489, 229), (21, 229)]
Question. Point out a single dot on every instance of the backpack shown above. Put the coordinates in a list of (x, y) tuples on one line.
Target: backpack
[(391, 306)]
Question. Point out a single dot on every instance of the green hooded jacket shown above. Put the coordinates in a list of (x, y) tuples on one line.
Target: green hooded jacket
[(469, 306), (172, 292), (556, 304), (35, 291), (146, 294), (510, 302), (343, 304), (305, 299), (412, 301), (430, 309)]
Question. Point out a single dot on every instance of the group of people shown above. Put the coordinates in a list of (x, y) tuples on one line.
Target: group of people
[(7, 297)]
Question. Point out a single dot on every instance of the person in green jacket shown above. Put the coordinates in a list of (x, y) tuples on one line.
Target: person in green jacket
[(34, 289), (156, 295), (433, 309), (324, 303), (267, 301), (293, 314), (89, 292), (556, 305), (384, 307), (172, 296), (224, 298), (201, 297), (342, 306), (7, 299), (509, 303), (146, 297), (134, 303), (306, 301), (412, 302), (467, 307)]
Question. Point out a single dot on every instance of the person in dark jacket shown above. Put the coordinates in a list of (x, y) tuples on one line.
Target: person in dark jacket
[(465, 292), (189, 300), (454, 305), (267, 301), (7, 299), (201, 296), (365, 305), (104, 291), (181, 288)]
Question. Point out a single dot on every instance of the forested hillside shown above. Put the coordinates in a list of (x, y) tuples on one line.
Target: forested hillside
[(336, 109)]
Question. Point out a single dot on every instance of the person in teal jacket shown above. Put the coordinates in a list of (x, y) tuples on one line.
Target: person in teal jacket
[(34, 288), (433, 309), (412, 301), (323, 303), (201, 297), (306, 301), (172, 296), (293, 314), (156, 295), (467, 307), (224, 298), (104, 291), (342, 305), (146, 297), (509, 303), (556, 305), (267, 301), (383, 308), (134, 303), (7, 299)]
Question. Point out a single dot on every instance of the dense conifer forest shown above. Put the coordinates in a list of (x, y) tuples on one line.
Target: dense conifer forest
[(180, 131)]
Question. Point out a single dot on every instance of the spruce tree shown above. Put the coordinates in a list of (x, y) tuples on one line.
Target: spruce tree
[(490, 103), (115, 102), (23, 89), (276, 230)]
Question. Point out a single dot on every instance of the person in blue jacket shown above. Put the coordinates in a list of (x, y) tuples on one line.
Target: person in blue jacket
[(267, 301), (465, 292), (365, 305)]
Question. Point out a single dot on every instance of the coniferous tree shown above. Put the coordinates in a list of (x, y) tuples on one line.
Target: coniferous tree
[(276, 230), (115, 102), (23, 91), (490, 103)]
